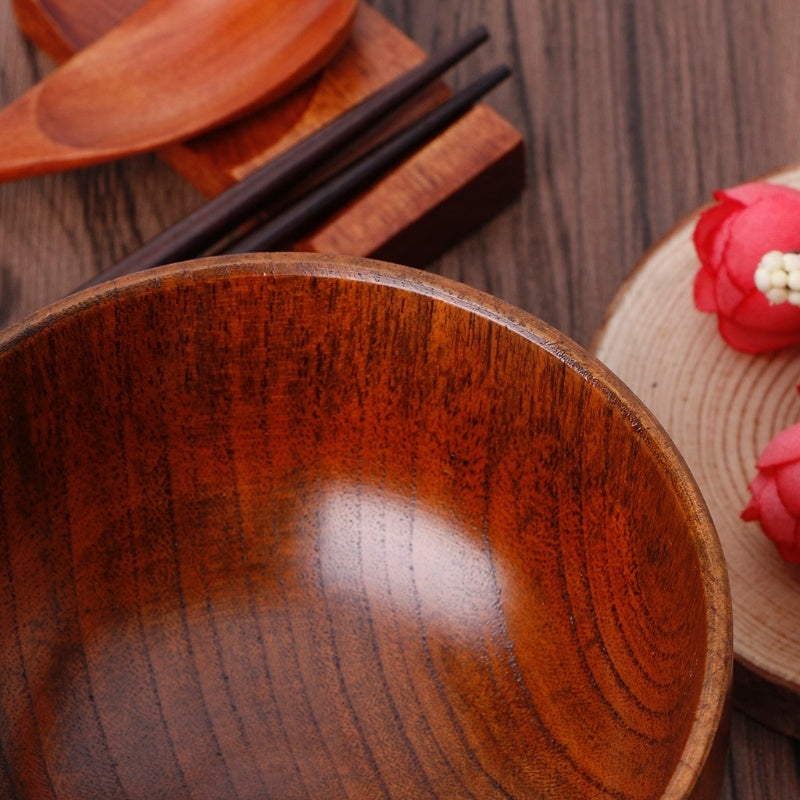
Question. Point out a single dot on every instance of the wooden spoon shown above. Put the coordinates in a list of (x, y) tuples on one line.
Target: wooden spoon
[(170, 70)]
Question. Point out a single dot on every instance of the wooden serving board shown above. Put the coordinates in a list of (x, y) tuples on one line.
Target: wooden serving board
[(458, 181), (721, 408)]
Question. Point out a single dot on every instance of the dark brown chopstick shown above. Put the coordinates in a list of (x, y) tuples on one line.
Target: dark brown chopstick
[(205, 226), (321, 201)]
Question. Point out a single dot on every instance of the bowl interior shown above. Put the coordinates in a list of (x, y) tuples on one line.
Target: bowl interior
[(279, 530)]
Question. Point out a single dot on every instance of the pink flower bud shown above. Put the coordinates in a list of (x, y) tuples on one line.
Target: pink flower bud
[(775, 491), (731, 237)]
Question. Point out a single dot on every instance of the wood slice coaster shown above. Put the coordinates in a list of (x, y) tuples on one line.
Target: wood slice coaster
[(721, 408), (441, 194)]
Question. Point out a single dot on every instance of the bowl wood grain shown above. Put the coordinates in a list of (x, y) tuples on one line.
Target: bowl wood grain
[(308, 527)]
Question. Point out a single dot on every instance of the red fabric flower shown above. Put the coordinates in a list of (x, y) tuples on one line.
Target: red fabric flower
[(731, 237), (775, 493)]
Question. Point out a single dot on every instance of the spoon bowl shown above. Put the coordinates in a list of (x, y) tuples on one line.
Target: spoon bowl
[(169, 71)]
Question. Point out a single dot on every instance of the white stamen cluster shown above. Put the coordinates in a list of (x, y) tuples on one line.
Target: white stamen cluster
[(778, 277)]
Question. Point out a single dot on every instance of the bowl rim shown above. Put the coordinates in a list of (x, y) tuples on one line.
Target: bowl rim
[(713, 702)]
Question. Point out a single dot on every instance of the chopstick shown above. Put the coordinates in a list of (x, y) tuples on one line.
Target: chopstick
[(219, 216), (324, 199)]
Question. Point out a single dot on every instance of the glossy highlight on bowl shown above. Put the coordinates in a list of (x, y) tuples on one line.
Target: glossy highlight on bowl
[(318, 527)]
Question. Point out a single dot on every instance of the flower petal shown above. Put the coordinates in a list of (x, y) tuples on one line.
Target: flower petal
[(728, 295), (753, 191), (752, 511), (750, 340), (756, 311), (787, 480), (713, 229), (782, 449), (790, 551), (769, 222), (705, 296), (778, 524)]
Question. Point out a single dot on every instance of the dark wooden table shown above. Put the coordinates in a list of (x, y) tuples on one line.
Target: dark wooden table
[(633, 112)]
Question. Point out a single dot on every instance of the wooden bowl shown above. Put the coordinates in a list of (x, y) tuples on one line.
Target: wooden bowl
[(307, 527)]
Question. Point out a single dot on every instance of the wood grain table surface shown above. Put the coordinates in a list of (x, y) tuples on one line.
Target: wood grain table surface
[(633, 112)]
